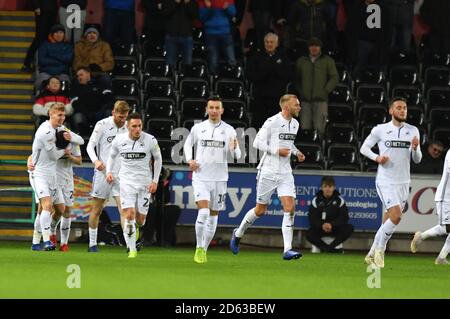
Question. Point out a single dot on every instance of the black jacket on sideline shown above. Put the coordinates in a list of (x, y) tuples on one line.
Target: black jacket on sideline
[(179, 17), (336, 212), (91, 97)]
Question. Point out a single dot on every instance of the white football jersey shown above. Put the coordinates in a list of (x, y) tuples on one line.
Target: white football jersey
[(64, 166), (44, 151), (276, 133), (105, 131), (396, 143), (136, 157), (443, 189), (211, 143)]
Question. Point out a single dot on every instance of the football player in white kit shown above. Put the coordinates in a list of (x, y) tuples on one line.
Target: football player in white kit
[(442, 199), (137, 179), (45, 155), (98, 148), (397, 142), (276, 139), (213, 140)]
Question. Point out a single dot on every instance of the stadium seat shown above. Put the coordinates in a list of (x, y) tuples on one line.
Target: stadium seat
[(198, 35), (340, 133), (232, 72), (313, 157), (65, 87), (438, 97), (153, 49), (234, 110), (370, 94), (342, 157), (372, 114), (194, 88), (161, 108), (230, 89), (437, 76), (188, 124), (340, 113), (439, 117), (308, 136), (344, 76), (125, 86), (157, 67), (415, 116), (442, 134), (367, 165), (166, 150), (124, 49), (161, 128), (199, 50), (250, 41), (340, 94), (193, 108), (412, 94), (365, 131), (125, 66), (133, 102), (159, 87), (198, 69), (405, 75), (369, 75)]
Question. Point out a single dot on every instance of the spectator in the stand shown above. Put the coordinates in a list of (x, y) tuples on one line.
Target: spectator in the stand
[(91, 101), (66, 18), (54, 56), (216, 16), (432, 161), (93, 52), (306, 19), (316, 77), (51, 94), (179, 18), (269, 72), (330, 8), (119, 20), (45, 18), (154, 21), (263, 12), (436, 13), (241, 6), (364, 44), (328, 217), (397, 26)]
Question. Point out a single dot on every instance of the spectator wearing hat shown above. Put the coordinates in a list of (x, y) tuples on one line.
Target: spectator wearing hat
[(65, 16), (51, 94), (45, 16), (316, 77), (54, 56), (93, 52), (119, 20)]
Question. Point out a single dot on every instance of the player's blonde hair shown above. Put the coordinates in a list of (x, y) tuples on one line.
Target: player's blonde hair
[(57, 107), (285, 98), (121, 107)]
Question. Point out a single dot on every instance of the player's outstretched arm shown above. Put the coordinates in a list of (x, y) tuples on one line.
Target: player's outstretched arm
[(416, 152), (93, 140), (370, 141)]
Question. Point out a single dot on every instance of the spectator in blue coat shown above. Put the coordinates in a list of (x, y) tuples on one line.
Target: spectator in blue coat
[(217, 16), (54, 56), (118, 24)]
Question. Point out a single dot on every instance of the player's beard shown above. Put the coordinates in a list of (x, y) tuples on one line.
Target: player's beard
[(400, 120)]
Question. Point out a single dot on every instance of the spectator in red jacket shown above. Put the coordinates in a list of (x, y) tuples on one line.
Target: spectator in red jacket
[(51, 94)]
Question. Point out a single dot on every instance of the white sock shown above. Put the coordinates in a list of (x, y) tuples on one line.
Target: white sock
[(130, 232), (248, 220), (37, 232), (45, 220), (200, 223), (54, 225), (375, 242), (209, 230), (287, 228), (92, 237), (446, 249), (65, 230), (435, 231), (387, 230)]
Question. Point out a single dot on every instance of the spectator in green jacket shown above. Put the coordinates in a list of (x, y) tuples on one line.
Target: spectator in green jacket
[(316, 77)]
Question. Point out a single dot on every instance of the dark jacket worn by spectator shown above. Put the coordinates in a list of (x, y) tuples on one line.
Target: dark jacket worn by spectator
[(154, 20), (55, 57), (91, 97), (306, 19), (179, 17)]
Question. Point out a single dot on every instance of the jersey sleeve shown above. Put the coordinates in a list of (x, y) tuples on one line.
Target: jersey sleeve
[(157, 164), (93, 141), (189, 144), (262, 139), (112, 155), (370, 141)]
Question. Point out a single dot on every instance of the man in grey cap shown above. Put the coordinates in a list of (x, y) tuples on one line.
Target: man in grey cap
[(94, 53), (316, 77)]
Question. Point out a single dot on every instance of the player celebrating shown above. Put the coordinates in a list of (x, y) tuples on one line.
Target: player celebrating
[(276, 139), (213, 139), (442, 199), (44, 157), (137, 180), (103, 135), (397, 142)]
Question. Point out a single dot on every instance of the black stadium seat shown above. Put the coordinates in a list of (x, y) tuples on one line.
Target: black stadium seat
[(161, 128), (313, 157), (230, 89), (370, 94), (194, 88), (343, 157), (443, 135), (125, 67), (340, 113), (125, 86), (159, 87), (161, 108), (193, 108), (340, 94)]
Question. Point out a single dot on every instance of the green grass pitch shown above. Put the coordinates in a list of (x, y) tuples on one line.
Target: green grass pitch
[(171, 273)]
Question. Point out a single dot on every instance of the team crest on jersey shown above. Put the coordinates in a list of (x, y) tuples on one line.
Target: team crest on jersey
[(133, 156), (110, 139), (212, 143), (287, 136), (397, 144)]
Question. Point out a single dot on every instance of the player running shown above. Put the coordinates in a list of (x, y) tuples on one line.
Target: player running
[(98, 148), (213, 140), (397, 142), (137, 179), (442, 199), (276, 139)]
